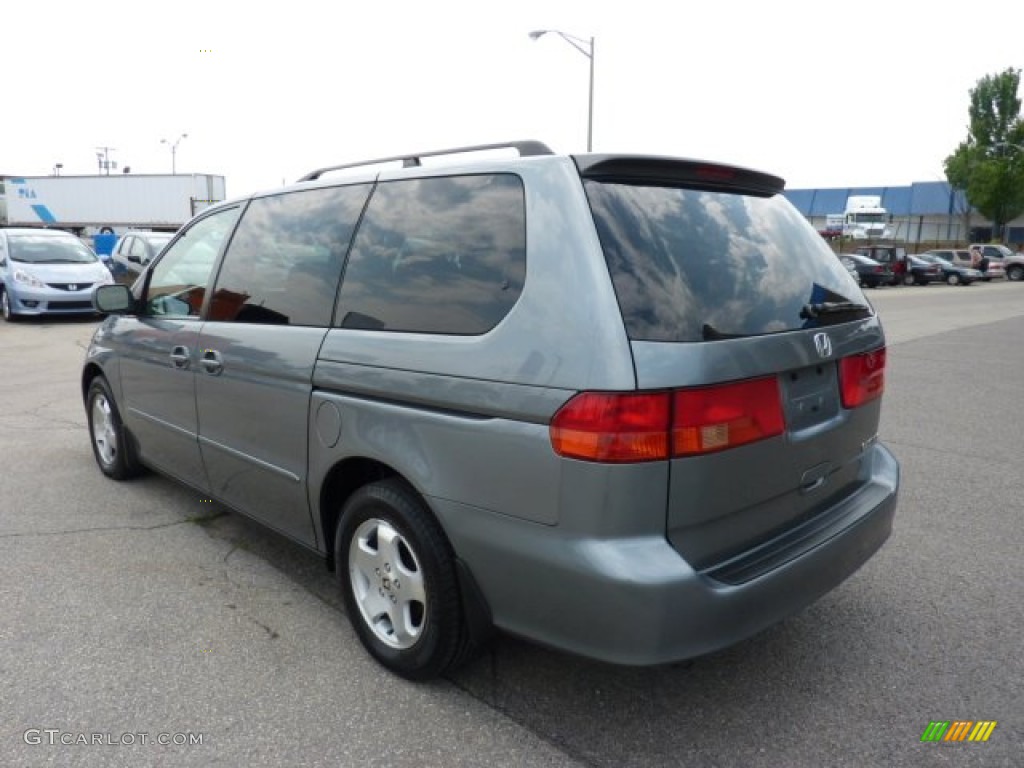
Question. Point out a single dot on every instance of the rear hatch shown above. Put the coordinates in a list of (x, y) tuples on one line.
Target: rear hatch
[(770, 355)]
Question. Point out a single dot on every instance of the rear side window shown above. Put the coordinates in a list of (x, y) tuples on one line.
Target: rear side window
[(439, 255), (283, 264), (692, 265)]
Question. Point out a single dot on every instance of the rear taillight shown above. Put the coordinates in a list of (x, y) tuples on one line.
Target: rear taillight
[(602, 426), (862, 378), (654, 426), (715, 418)]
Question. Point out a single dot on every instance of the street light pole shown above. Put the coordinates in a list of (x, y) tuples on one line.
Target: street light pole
[(174, 151), (578, 43), (590, 102)]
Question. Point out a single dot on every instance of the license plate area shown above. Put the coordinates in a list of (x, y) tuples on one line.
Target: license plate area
[(810, 395)]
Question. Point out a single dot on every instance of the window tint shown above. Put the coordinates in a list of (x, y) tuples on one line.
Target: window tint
[(690, 265), (283, 264), (440, 255), (178, 282)]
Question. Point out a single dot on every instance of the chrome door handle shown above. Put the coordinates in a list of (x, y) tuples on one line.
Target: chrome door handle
[(211, 361), (180, 357)]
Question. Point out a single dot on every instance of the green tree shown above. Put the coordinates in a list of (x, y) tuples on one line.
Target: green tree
[(989, 164)]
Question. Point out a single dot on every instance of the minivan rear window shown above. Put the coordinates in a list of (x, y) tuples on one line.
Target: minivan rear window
[(693, 265)]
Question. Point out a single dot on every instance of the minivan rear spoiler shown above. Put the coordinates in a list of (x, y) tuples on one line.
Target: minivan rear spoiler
[(673, 172)]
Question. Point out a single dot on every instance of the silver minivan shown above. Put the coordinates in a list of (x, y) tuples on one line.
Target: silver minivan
[(626, 406)]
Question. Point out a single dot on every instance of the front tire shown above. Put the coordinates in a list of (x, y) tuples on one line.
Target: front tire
[(110, 444), (1015, 272), (6, 309), (398, 581), (953, 278)]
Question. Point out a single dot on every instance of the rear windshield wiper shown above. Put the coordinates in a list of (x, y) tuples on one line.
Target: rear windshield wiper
[(710, 333), (811, 311)]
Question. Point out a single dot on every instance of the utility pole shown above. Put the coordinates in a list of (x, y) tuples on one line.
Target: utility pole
[(103, 158)]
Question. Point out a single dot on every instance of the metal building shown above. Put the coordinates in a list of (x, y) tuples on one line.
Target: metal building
[(924, 212)]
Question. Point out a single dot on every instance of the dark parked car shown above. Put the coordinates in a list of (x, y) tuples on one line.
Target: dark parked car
[(904, 271), (851, 268), (599, 430), (921, 272), (954, 274), (871, 273), (134, 251)]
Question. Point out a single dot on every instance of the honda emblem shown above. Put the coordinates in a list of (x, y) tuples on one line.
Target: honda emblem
[(72, 287), (823, 344)]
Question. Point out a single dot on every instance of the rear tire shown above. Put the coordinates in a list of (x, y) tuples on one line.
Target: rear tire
[(398, 581)]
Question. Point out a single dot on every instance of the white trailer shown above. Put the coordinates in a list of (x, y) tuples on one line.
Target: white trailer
[(89, 204)]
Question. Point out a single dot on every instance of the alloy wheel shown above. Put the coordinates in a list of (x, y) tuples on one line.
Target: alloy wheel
[(104, 432), (388, 584)]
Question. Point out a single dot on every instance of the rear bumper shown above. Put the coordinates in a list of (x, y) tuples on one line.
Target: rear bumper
[(635, 600)]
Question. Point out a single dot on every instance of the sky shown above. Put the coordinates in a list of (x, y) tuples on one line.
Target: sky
[(820, 92)]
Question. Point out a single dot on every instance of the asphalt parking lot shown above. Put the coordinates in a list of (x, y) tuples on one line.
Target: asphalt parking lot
[(137, 613)]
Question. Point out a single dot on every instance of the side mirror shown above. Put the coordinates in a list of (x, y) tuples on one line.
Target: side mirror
[(112, 299)]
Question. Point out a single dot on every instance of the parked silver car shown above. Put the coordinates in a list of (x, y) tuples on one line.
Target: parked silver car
[(625, 406), (47, 271)]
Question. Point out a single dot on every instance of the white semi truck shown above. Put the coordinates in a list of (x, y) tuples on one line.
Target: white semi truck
[(865, 218)]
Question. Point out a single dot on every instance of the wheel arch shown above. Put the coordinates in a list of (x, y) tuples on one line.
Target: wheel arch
[(341, 481), (89, 372)]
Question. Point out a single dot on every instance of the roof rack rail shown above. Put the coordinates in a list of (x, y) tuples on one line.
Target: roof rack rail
[(528, 148)]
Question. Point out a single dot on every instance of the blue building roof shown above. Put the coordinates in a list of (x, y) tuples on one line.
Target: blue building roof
[(922, 198)]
